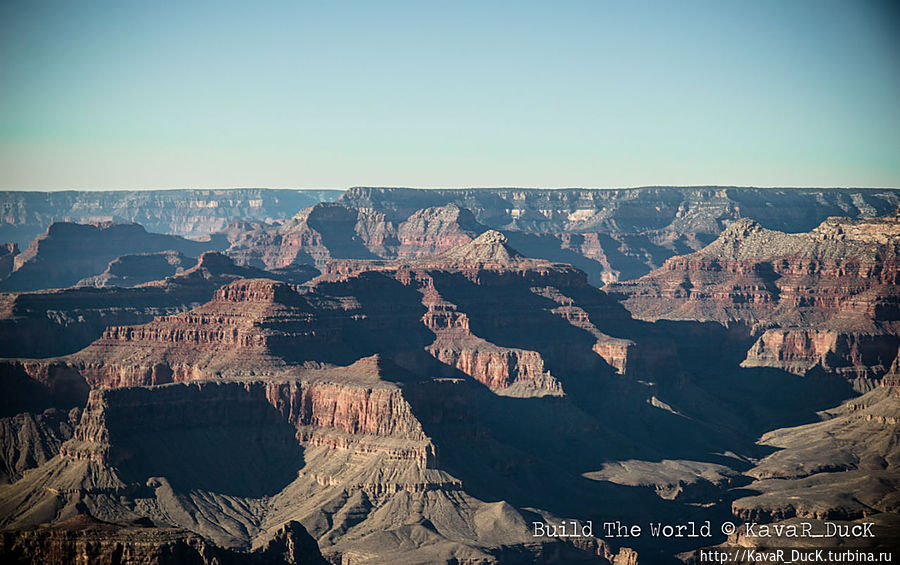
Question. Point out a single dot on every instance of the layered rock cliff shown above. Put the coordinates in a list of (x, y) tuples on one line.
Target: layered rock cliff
[(621, 234), (189, 213), (610, 234), (824, 299), (84, 538), (268, 326), (50, 323)]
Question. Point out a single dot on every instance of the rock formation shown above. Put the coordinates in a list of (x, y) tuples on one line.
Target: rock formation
[(827, 299), (68, 253), (325, 404), (84, 538), (610, 234), (49, 323), (188, 213), (619, 234), (436, 391), (132, 270)]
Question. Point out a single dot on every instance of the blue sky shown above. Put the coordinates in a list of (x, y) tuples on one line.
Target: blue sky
[(124, 95)]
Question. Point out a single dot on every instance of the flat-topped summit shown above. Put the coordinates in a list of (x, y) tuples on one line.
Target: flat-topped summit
[(836, 239)]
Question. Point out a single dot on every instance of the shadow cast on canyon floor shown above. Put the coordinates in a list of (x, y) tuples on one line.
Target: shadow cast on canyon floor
[(694, 403), (229, 441)]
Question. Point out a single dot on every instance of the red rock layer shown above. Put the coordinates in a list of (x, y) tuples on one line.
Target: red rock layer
[(255, 327), (831, 293), (342, 415)]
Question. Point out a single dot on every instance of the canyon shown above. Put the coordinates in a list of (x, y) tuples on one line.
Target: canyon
[(826, 300), (414, 376), (188, 213)]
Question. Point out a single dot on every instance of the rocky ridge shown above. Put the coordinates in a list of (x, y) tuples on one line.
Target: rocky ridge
[(86, 538), (189, 213), (822, 300), (68, 252), (57, 322), (132, 270), (612, 235)]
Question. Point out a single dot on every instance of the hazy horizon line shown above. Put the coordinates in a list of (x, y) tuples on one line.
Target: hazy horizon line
[(496, 187)]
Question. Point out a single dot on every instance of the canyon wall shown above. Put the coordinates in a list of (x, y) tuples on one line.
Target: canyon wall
[(616, 234), (189, 213), (826, 299)]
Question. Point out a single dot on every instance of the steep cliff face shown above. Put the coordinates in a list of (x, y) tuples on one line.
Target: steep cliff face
[(313, 237), (859, 356), (50, 323), (70, 252), (751, 274), (189, 213), (84, 538), (831, 294), (8, 252), (250, 429), (342, 450), (30, 440)]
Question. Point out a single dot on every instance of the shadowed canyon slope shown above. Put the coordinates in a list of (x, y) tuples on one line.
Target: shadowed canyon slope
[(449, 377), (68, 253), (328, 404)]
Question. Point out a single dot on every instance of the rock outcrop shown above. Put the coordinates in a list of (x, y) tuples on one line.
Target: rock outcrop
[(70, 252), (616, 234), (84, 538), (826, 299), (51, 323), (132, 270)]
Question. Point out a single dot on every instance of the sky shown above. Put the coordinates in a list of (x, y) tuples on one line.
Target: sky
[(133, 95)]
